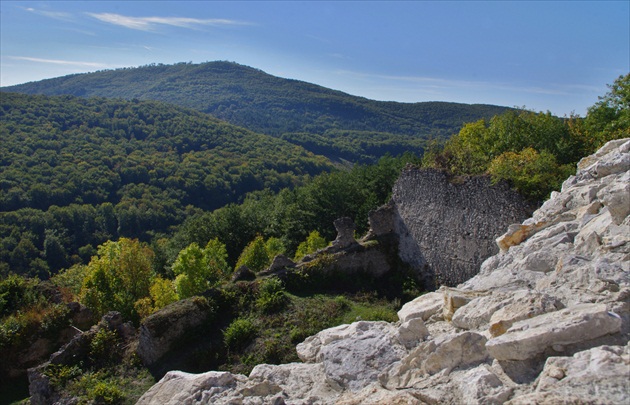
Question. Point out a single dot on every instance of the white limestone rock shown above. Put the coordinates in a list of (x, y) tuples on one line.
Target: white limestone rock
[(377, 395), (412, 332), (523, 305), (503, 308), (422, 307), (600, 375), (177, 387), (478, 311), (482, 386), (456, 298), (442, 354), (358, 360), (530, 337), (299, 383)]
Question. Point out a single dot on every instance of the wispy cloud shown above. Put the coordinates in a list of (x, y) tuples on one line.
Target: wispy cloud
[(57, 15), (558, 89), (151, 23), (62, 62)]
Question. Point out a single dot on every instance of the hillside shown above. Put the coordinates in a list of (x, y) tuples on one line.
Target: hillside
[(322, 120), (107, 168), (546, 321)]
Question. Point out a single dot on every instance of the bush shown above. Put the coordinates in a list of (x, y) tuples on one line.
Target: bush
[(104, 347), (271, 296), (531, 173), (55, 318), (70, 279), (240, 332), (312, 244), (60, 374), (17, 292), (255, 256), (106, 393)]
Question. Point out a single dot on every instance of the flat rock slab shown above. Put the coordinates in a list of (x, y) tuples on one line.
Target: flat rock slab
[(423, 307), (527, 338)]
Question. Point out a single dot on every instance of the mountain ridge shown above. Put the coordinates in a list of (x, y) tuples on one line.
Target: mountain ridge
[(295, 110)]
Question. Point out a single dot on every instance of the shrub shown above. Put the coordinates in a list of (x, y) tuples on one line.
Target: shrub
[(271, 296), (531, 173), (163, 293), (199, 269), (104, 347), (70, 279), (60, 374), (106, 392), (312, 244), (240, 332), (55, 318), (17, 292), (117, 277), (254, 256)]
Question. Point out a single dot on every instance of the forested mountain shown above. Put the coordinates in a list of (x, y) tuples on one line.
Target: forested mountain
[(99, 169), (322, 120)]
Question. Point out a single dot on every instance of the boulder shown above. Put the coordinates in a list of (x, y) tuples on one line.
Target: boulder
[(481, 385), (177, 387), (422, 307), (595, 376), (243, 273), (455, 299), (524, 305), (441, 354), (527, 338), (299, 382), (354, 355), (160, 331), (412, 332)]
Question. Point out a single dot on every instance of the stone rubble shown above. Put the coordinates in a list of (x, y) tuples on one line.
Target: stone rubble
[(546, 321)]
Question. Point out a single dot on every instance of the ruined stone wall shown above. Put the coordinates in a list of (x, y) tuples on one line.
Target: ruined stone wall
[(447, 226)]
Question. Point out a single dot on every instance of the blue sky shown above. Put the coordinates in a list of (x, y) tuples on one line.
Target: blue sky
[(544, 55)]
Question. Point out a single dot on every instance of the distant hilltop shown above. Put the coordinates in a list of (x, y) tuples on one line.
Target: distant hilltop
[(322, 120)]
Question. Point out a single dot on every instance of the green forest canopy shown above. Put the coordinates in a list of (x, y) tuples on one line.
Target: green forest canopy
[(324, 121), (77, 172)]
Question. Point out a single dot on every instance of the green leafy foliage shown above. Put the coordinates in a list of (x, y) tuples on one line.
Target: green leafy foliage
[(271, 295), (532, 173), (77, 173), (117, 277), (162, 293), (115, 385), (200, 269), (535, 152), (70, 281), (255, 255), (312, 244), (104, 348), (240, 332)]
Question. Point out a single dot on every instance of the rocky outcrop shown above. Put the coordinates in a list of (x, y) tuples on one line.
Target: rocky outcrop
[(547, 320), (77, 351), (448, 226), (161, 332)]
